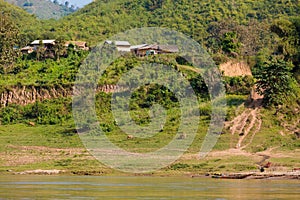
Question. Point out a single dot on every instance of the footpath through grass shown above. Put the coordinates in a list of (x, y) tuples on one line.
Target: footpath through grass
[(23, 147)]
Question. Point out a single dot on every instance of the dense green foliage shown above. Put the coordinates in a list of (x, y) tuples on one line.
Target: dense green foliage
[(226, 28), (247, 30), (288, 32), (241, 27), (30, 72), (275, 81), (47, 112), (25, 22), (8, 42), (21, 18), (198, 19)]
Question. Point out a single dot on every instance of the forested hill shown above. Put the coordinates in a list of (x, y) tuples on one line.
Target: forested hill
[(20, 17), (197, 18), (45, 9), (205, 21)]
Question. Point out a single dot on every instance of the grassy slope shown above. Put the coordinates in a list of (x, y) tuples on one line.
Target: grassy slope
[(57, 147)]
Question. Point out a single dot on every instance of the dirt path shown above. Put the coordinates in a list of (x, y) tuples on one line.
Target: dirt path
[(248, 123), (24, 155)]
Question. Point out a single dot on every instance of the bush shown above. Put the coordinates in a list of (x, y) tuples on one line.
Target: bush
[(239, 84), (10, 115), (47, 112)]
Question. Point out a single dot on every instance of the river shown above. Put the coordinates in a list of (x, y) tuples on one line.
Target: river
[(144, 188)]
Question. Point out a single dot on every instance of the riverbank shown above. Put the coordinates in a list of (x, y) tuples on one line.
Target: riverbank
[(57, 150), (256, 175), (227, 164), (292, 175)]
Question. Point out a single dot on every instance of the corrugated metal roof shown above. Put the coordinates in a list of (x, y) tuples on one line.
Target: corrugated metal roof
[(43, 41), (122, 43), (151, 46), (138, 46), (108, 42), (118, 43), (169, 48)]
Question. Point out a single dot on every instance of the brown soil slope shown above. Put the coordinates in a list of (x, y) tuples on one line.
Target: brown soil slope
[(235, 68)]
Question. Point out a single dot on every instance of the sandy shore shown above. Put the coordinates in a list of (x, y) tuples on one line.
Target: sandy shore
[(243, 175), (255, 175)]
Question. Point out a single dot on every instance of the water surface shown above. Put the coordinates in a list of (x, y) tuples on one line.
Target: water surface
[(93, 187)]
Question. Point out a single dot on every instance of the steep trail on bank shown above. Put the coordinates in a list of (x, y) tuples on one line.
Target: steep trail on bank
[(248, 123)]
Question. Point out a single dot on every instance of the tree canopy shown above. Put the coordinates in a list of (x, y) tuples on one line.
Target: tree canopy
[(9, 41), (275, 81)]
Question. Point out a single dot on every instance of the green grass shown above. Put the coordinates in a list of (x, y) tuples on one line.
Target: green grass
[(12, 137), (62, 134), (215, 164), (269, 136), (55, 136)]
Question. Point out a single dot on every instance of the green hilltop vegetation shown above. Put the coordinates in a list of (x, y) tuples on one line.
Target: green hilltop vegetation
[(265, 34), (44, 9), (198, 19), (21, 18)]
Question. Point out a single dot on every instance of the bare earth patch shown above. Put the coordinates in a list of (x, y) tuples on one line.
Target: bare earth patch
[(22, 155)]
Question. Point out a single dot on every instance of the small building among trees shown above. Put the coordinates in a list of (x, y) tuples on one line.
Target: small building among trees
[(47, 44), (122, 46), (153, 49)]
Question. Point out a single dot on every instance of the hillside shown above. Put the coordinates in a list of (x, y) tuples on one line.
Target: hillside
[(44, 133), (25, 22), (20, 17), (199, 19), (43, 9), (37, 127)]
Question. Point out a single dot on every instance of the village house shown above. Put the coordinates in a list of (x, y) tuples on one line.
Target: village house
[(122, 46), (136, 49), (166, 49), (142, 50), (153, 49), (48, 46)]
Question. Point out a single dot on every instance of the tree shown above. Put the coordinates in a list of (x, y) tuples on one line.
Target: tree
[(59, 48), (288, 32), (274, 81), (9, 40), (230, 43), (40, 50)]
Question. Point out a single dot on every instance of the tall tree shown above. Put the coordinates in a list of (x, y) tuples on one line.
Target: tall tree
[(275, 81), (9, 40), (288, 32), (40, 50), (59, 48)]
